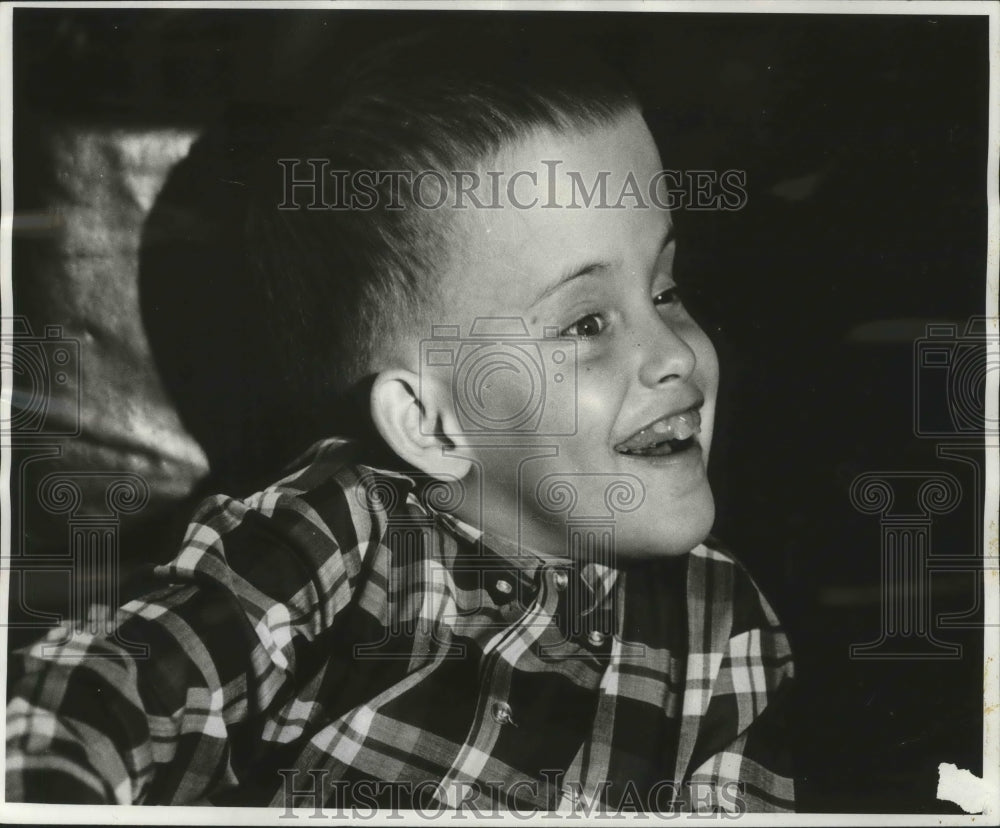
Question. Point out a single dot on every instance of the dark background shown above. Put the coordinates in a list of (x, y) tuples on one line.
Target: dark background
[(864, 142)]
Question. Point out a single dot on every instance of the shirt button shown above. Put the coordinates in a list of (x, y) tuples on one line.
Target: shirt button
[(561, 580), (572, 798), (502, 713), (504, 587), (596, 638)]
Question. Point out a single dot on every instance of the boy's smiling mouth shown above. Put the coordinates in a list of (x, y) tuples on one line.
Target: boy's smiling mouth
[(669, 434)]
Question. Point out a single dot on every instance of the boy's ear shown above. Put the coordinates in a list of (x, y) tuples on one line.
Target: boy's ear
[(416, 424)]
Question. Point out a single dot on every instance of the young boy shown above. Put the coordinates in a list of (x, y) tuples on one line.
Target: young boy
[(506, 599)]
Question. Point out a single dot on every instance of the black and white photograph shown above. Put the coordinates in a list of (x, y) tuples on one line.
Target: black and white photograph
[(509, 411)]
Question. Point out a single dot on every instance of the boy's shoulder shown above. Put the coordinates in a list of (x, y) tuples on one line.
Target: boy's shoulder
[(722, 582), (328, 502), (336, 461), (331, 470)]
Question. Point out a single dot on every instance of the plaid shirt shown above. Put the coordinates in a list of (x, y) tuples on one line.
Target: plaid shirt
[(335, 639)]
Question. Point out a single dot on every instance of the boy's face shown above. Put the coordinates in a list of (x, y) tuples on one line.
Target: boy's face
[(645, 373)]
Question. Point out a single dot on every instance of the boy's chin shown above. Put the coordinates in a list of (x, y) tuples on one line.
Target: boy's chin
[(665, 536)]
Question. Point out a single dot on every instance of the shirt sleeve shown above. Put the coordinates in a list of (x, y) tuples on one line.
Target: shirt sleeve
[(150, 709), (738, 700)]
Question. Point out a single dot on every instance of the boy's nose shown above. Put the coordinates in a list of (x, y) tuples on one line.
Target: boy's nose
[(666, 355)]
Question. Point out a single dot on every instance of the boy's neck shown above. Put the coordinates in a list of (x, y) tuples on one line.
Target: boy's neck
[(506, 526)]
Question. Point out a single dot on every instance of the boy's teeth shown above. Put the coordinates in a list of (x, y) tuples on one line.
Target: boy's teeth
[(677, 427)]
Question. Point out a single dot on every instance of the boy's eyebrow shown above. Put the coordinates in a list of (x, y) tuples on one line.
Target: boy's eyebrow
[(577, 271)]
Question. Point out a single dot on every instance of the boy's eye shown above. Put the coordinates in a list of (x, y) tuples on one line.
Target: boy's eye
[(670, 296), (585, 326)]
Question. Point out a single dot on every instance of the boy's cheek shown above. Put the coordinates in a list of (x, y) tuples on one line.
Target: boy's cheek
[(506, 392), (494, 397), (707, 366)]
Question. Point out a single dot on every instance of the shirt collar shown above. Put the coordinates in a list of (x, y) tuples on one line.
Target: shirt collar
[(590, 584)]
